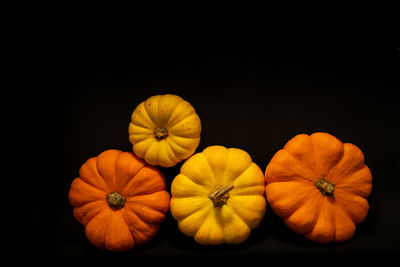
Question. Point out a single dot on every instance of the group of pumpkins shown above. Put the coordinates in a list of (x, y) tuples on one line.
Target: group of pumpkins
[(315, 183)]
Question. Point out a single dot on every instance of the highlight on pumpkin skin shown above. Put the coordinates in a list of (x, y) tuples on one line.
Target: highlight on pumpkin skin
[(120, 200), (319, 185), (164, 130), (218, 196)]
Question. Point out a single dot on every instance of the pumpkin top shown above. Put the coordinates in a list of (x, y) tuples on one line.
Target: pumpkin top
[(119, 199), (164, 130), (218, 197), (318, 185)]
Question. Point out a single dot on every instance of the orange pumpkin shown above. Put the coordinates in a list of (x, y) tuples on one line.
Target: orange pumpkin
[(119, 199), (318, 185)]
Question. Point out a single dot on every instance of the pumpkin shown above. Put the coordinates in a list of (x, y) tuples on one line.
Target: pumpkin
[(319, 185), (218, 196), (119, 199), (164, 130)]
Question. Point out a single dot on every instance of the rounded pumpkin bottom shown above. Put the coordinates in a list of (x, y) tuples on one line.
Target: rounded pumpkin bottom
[(119, 225), (314, 213), (213, 223), (321, 219)]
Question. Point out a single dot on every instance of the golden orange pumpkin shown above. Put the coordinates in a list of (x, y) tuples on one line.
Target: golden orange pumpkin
[(164, 130), (319, 185)]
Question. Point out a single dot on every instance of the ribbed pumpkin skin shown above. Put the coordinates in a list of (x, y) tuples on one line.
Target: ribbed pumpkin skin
[(292, 176), (241, 208), (143, 186), (174, 116)]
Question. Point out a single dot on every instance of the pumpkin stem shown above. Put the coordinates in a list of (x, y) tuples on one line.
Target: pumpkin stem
[(115, 200), (219, 195), (325, 187), (161, 133)]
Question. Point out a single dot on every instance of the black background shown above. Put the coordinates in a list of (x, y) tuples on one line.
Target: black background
[(251, 91)]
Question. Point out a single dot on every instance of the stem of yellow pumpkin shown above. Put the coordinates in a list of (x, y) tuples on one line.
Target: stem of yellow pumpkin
[(161, 133), (219, 195)]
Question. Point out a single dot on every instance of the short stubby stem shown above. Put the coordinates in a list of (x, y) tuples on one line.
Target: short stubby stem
[(161, 133), (325, 187), (220, 196), (116, 200)]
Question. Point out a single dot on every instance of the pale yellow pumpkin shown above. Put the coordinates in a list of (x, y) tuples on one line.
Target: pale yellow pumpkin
[(219, 196), (164, 130)]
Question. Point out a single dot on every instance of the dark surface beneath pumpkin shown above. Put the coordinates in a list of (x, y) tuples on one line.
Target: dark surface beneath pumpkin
[(255, 95)]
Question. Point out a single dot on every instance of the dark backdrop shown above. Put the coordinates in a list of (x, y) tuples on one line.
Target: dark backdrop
[(250, 93)]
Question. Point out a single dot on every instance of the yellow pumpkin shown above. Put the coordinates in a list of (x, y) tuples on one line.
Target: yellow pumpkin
[(218, 196), (164, 130)]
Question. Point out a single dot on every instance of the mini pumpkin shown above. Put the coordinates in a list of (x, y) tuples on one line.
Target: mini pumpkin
[(218, 196), (319, 185), (119, 199), (164, 130)]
